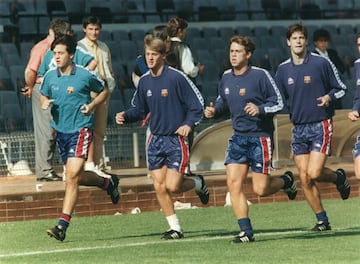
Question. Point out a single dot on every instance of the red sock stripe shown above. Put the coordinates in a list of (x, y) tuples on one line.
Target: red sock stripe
[(65, 217)]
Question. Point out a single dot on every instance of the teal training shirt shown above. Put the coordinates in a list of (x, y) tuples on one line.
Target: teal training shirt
[(70, 92)]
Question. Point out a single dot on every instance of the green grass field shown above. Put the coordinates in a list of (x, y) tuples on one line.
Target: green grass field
[(281, 233)]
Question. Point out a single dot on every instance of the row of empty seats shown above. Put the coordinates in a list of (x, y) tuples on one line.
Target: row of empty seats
[(156, 11)]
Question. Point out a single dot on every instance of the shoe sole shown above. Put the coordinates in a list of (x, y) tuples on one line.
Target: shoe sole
[(52, 234), (316, 229), (49, 180)]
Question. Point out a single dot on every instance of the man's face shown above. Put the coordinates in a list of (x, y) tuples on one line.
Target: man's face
[(358, 43), (154, 59), (238, 55), (61, 56), (322, 44), (92, 31), (297, 43)]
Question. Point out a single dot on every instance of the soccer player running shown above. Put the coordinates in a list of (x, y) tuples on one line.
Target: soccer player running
[(310, 84), (353, 115), (252, 97), (67, 90), (176, 107)]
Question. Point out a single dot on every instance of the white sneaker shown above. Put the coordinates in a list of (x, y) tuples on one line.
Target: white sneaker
[(101, 173), (89, 166)]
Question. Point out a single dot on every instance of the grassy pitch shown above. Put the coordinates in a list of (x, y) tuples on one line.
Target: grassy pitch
[(281, 232)]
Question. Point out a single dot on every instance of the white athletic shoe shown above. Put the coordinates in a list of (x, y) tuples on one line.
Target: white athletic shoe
[(89, 166)]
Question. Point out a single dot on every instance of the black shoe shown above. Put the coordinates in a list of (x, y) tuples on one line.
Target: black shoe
[(292, 191), (52, 176), (242, 237), (172, 234), (203, 193), (344, 186), (57, 233), (321, 226), (112, 189)]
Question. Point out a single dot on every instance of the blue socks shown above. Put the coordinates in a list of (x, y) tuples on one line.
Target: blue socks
[(64, 221), (322, 217), (245, 225)]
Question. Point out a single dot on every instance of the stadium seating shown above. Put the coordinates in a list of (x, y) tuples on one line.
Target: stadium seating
[(208, 42)]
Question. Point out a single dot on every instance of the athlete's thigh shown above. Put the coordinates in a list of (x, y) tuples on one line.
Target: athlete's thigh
[(173, 178), (260, 180), (74, 166), (236, 173), (316, 164)]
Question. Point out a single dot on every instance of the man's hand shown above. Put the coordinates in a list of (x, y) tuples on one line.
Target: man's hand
[(353, 115), (120, 118), (251, 109), (46, 103), (324, 101), (86, 109), (184, 130), (26, 91), (210, 110)]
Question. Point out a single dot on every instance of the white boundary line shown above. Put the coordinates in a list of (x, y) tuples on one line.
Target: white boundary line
[(139, 244)]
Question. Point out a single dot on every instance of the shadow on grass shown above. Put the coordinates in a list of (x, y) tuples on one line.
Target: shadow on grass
[(260, 234)]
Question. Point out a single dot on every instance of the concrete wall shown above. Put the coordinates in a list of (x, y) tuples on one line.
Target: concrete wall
[(209, 146)]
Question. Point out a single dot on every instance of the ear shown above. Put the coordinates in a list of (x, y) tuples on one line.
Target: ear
[(248, 55)]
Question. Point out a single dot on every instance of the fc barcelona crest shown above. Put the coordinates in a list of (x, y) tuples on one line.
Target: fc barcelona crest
[(164, 92), (70, 90), (307, 79), (242, 91)]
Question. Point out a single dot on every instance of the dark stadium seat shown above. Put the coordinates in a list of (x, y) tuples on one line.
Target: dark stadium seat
[(13, 118), (120, 35), (226, 33), (27, 28), (6, 84)]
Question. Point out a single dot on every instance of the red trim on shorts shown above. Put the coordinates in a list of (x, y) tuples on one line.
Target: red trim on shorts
[(184, 154), (83, 143), (325, 144), (266, 154), (148, 140)]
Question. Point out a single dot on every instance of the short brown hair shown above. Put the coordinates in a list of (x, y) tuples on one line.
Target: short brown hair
[(245, 41), (296, 28)]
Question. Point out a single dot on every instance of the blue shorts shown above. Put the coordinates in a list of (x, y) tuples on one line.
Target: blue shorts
[(170, 151), (74, 144), (356, 149), (255, 151), (312, 137)]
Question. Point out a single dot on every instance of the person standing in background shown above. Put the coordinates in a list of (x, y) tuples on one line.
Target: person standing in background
[(180, 57), (321, 38), (309, 85), (91, 43)]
